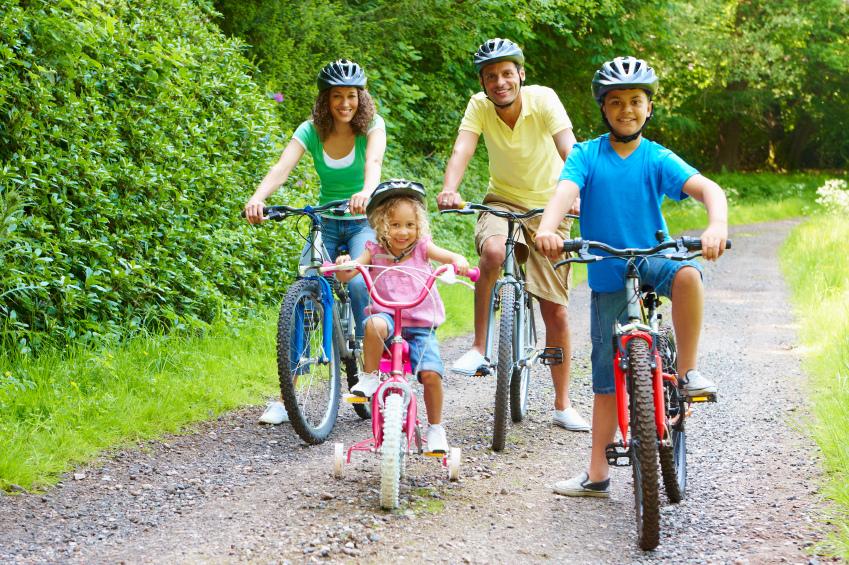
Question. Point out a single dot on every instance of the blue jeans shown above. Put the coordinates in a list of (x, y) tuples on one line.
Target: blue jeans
[(606, 308), (353, 235)]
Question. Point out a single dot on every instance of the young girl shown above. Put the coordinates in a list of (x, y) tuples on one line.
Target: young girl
[(397, 213), (346, 139)]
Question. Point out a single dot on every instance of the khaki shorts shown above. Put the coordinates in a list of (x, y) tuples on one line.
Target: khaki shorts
[(543, 281)]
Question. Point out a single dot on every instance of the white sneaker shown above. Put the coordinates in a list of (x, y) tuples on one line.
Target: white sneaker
[(698, 384), (274, 414), (366, 385), (436, 440), (581, 486), (570, 420), (468, 364)]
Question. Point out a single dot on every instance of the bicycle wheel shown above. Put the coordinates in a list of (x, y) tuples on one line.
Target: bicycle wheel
[(391, 456), (309, 383), (504, 369), (643, 445), (673, 458), (521, 378)]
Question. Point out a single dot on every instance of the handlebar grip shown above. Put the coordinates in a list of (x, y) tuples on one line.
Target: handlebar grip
[(695, 244), (571, 245), (474, 274)]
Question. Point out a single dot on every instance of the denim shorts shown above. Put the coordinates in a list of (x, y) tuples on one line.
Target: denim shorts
[(608, 307), (424, 348)]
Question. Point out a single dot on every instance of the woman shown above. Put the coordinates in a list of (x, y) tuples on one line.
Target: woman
[(347, 140)]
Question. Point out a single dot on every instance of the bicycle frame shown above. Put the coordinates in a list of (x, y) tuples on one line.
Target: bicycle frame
[(637, 328), (511, 275), (345, 338)]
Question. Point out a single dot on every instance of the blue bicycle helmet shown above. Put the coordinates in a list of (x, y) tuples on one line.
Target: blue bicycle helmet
[(497, 49), (623, 73)]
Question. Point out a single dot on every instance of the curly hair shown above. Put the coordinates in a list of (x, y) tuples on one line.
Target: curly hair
[(323, 119), (379, 218)]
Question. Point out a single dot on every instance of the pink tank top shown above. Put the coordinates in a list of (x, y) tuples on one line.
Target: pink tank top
[(405, 284)]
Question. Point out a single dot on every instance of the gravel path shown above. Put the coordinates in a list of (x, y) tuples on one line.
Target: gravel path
[(236, 491)]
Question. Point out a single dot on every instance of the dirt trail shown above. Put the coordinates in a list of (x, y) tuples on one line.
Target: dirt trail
[(235, 491)]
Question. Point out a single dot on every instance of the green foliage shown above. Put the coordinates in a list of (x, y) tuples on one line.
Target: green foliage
[(814, 261), (130, 135), (62, 408)]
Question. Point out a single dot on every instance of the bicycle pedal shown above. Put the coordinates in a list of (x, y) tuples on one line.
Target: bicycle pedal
[(708, 397), (354, 399), (615, 452), (551, 356)]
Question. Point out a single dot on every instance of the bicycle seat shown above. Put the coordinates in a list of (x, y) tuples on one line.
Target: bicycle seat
[(386, 361)]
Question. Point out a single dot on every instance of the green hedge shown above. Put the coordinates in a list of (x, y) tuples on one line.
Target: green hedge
[(131, 132)]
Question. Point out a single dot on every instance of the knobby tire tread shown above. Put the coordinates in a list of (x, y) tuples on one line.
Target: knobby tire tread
[(674, 472), (644, 450), (300, 290), (504, 368), (390, 466), (519, 403)]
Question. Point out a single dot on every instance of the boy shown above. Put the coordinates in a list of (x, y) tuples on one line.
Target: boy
[(622, 179)]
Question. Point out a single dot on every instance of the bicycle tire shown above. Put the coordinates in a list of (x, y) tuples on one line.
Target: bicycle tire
[(504, 368), (644, 456), (520, 382), (310, 387), (673, 458), (390, 465)]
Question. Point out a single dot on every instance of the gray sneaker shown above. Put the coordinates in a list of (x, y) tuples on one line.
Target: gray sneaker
[(581, 486), (570, 419), (695, 383)]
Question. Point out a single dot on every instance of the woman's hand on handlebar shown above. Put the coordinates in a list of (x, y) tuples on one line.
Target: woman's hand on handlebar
[(357, 203), (549, 244), (253, 210)]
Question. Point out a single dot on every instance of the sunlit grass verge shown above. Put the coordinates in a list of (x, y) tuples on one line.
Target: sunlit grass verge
[(815, 262), (62, 409)]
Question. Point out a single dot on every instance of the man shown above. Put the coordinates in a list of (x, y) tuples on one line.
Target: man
[(528, 136)]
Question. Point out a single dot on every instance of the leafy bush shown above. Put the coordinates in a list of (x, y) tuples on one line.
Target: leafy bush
[(131, 132)]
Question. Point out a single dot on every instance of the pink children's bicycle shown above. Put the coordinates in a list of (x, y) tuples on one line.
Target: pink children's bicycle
[(395, 426)]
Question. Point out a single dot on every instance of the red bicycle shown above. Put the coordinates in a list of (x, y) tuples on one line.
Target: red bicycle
[(395, 425), (651, 402)]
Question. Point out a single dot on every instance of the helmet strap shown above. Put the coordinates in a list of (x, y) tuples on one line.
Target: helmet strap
[(624, 138), (504, 106)]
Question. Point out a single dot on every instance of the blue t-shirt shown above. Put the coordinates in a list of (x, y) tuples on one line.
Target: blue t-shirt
[(621, 198)]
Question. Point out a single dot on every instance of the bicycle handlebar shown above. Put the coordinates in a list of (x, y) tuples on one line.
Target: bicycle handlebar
[(439, 273), (281, 212), (685, 248), (473, 208)]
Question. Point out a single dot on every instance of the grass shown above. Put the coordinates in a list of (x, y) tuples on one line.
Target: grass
[(815, 263), (63, 408)]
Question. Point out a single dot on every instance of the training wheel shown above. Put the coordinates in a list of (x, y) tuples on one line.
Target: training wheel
[(454, 464), (338, 460)]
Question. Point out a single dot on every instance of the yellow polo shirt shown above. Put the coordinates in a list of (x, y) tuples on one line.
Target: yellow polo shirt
[(524, 164)]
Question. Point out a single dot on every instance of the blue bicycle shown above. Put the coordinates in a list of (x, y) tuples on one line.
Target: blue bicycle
[(315, 335)]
